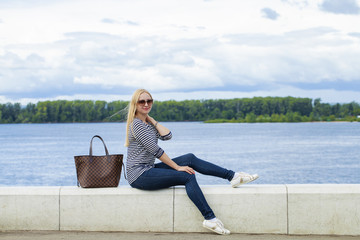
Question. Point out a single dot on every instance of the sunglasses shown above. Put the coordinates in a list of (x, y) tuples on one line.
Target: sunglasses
[(142, 102)]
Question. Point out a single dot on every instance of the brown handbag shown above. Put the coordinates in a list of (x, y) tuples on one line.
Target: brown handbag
[(98, 171)]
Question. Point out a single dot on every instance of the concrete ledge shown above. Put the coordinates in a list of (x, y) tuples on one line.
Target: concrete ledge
[(29, 208), (249, 209), (324, 209), (116, 209), (280, 209)]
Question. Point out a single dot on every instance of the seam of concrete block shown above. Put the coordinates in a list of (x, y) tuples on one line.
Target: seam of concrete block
[(173, 210), (287, 210), (59, 208)]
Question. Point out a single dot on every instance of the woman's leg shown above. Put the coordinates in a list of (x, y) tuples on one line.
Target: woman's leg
[(201, 166), (159, 178)]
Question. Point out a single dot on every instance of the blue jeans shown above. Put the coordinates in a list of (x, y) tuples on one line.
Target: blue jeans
[(163, 176)]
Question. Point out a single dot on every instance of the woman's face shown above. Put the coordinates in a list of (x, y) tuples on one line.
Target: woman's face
[(144, 104)]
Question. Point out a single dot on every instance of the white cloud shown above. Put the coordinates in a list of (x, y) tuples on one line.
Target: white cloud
[(270, 13), (297, 3), (341, 6), (63, 48), (87, 80), (355, 34)]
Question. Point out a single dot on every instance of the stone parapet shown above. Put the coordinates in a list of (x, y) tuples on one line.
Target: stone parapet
[(324, 209)]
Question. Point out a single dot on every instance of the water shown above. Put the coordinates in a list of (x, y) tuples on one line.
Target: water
[(281, 153)]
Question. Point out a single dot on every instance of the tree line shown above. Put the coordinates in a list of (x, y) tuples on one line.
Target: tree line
[(257, 109)]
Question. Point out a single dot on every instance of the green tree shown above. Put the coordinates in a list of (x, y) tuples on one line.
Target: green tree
[(250, 117)]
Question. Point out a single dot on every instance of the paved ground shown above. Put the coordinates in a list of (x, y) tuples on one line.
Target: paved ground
[(62, 235)]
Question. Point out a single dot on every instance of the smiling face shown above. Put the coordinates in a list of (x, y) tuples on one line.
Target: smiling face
[(144, 104)]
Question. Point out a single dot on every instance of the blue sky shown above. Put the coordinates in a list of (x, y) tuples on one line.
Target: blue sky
[(184, 49)]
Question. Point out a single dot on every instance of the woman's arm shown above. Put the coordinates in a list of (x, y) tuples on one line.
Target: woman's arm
[(142, 135), (165, 159), (163, 131)]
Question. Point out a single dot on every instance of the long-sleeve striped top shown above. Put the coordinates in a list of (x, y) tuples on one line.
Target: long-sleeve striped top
[(143, 148)]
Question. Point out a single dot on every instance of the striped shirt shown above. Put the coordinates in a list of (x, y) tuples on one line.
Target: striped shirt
[(143, 148)]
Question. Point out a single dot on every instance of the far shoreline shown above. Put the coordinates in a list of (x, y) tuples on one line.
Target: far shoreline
[(244, 121), (206, 122)]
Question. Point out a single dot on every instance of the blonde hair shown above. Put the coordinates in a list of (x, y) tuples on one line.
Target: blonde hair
[(132, 111)]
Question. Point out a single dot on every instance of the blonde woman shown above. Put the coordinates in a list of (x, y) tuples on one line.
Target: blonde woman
[(142, 134)]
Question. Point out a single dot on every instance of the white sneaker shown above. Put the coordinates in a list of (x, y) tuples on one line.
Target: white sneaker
[(243, 178), (216, 226)]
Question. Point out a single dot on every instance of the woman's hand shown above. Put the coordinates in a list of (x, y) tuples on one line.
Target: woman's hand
[(150, 119), (187, 169)]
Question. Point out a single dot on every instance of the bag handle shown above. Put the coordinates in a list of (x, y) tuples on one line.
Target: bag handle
[(106, 150)]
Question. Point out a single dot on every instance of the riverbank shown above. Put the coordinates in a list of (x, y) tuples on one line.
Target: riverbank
[(257, 109), (269, 120)]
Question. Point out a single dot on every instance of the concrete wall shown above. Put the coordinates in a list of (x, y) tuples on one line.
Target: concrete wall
[(29, 208), (324, 209), (275, 209)]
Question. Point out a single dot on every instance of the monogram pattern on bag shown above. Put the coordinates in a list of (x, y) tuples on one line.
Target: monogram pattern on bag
[(100, 172)]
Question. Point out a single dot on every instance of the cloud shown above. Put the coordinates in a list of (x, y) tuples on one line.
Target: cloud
[(355, 34), (23, 3), (297, 3), (340, 6), (21, 75), (269, 13), (109, 51), (108, 20), (309, 55), (113, 21), (98, 62), (101, 63), (132, 23)]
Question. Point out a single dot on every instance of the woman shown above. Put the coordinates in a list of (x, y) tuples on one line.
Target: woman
[(142, 134)]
